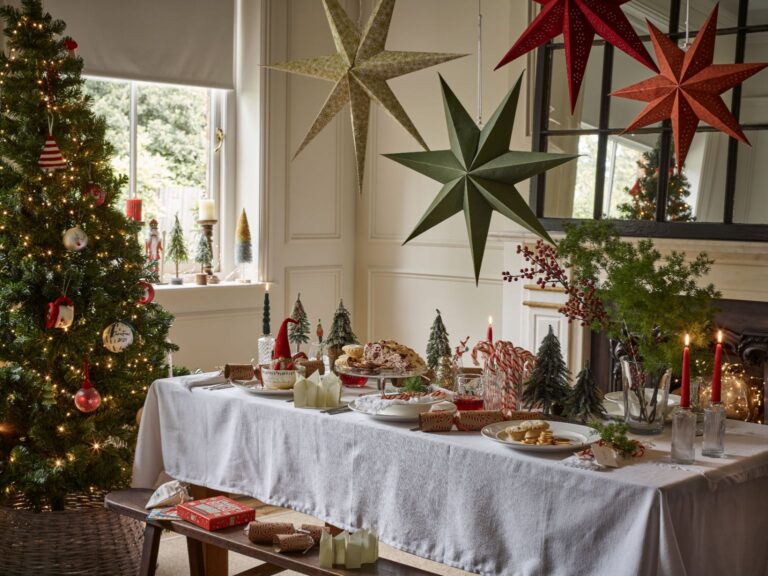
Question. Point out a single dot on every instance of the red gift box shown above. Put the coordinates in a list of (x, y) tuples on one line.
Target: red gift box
[(216, 513)]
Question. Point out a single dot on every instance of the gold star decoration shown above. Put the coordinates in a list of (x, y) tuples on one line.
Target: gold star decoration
[(360, 70)]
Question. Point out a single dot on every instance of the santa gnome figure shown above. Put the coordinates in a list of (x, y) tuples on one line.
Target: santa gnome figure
[(281, 357)]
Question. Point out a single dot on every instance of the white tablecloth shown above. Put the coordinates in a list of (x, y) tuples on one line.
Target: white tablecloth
[(459, 499)]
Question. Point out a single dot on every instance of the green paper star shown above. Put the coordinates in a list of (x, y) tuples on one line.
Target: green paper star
[(479, 173), (360, 70)]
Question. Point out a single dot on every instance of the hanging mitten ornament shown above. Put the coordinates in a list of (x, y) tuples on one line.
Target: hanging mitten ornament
[(51, 158), (117, 337), (96, 192), (148, 293), (60, 313), (75, 239), (281, 357), (71, 47), (87, 399)]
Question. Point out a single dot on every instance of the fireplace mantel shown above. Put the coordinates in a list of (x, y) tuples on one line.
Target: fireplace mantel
[(740, 272)]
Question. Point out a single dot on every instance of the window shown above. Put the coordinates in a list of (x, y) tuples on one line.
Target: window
[(163, 141), (631, 177)]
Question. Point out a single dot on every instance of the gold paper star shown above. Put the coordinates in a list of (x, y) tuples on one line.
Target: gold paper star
[(360, 70)]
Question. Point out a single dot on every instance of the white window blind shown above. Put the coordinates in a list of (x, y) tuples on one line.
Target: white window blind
[(177, 41)]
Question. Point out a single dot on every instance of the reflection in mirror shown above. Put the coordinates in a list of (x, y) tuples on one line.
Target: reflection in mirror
[(570, 187), (587, 109), (751, 201)]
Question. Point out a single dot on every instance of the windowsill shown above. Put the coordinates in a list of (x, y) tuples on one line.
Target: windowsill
[(192, 286)]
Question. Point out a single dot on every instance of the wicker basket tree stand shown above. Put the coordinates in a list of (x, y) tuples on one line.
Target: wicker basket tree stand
[(84, 539)]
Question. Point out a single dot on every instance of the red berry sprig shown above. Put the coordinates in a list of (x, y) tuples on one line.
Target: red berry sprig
[(583, 302)]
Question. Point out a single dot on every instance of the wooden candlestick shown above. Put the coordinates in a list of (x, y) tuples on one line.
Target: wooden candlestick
[(208, 231)]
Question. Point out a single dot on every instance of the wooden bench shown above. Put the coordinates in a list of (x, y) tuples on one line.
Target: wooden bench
[(131, 503)]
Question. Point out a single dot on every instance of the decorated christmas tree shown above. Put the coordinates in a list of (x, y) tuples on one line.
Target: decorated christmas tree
[(177, 247), (243, 248), (548, 385), (70, 283), (341, 329), (341, 333), (642, 204), (584, 400), (203, 255), (299, 333), (438, 345)]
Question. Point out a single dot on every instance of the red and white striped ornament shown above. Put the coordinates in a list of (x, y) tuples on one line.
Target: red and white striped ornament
[(51, 158)]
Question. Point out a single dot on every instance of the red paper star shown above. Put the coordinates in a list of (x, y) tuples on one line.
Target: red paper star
[(688, 88), (578, 21)]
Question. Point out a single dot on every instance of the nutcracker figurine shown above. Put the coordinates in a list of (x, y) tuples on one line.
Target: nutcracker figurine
[(153, 247)]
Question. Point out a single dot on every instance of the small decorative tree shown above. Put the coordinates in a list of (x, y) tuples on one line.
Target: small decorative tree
[(584, 402), (341, 333), (548, 385), (438, 345), (203, 255), (299, 333), (177, 248), (243, 248), (642, 202)]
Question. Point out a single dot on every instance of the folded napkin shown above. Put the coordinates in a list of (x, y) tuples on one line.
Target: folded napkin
[(205, 379)]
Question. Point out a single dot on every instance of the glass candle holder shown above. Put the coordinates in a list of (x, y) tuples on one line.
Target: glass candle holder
[(714, 431), (266, 347), (683, 436)]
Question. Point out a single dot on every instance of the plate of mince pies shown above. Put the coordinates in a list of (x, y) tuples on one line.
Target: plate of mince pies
[(541, 435)]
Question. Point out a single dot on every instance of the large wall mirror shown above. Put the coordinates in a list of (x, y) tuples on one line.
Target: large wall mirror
[(722, 192)]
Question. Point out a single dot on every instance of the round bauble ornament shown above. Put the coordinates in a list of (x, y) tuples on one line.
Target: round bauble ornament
[(148, 292), (75, 239), (60, 313), (117, 337), (93, 190), (87, 399)]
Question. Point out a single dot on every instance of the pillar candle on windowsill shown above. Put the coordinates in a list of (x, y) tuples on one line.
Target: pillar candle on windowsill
[(489, 336), (718, 368), (206, 209), (133, 209), (685, 388)]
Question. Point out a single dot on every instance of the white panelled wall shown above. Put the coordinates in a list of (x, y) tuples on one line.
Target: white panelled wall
[(327, 241)]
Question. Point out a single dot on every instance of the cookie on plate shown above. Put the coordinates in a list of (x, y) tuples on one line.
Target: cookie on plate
[(353, 350)]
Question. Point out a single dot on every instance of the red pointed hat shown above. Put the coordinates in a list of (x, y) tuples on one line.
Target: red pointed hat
[(282, 346)]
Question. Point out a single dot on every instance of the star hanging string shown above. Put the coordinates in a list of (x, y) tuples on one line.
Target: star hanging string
[(578, 21), (360, 70), (688, 88), (479, 172)]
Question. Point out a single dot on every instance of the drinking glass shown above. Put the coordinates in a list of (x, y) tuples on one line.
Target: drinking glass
[(469, 392)]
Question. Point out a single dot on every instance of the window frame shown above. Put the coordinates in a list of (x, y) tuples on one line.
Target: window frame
[(215, 171), (725, 230)]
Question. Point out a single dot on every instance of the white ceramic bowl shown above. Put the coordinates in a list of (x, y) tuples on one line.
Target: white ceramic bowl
[(278, 379)]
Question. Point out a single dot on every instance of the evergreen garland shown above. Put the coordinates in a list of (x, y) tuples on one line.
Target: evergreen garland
[(548, 385), (341, 329), (584, 400), (438, 345), (177, 247), (299, 333), (48, 449)]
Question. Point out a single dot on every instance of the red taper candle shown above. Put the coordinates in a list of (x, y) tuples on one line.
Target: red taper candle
[(717, 371), (489, 336), (685, 389), (133, 209)]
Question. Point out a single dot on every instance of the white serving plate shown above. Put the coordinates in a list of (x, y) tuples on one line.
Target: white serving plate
[(255, 387), (398, 412), (618, 398), (581, 436), (615, 410)]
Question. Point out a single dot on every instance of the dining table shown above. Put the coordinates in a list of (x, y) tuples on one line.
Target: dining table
[(461, 499)]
